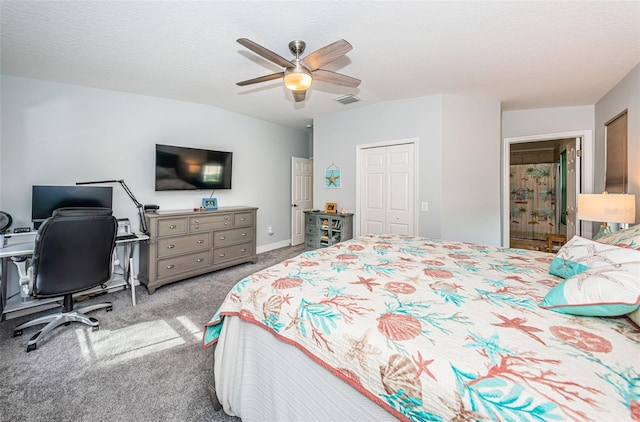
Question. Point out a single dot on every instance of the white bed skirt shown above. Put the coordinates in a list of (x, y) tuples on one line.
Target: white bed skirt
[(259, 378)]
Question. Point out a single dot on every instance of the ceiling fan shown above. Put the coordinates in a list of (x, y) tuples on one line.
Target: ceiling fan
[(299, 73)]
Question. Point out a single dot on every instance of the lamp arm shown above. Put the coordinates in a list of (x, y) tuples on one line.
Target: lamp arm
[(143, 221), (126, 189)]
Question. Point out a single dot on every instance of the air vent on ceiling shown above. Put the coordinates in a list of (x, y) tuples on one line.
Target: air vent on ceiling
[(347, 99)]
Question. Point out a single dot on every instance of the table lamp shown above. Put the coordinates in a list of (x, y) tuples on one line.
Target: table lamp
[(606, 208), (143, 221)]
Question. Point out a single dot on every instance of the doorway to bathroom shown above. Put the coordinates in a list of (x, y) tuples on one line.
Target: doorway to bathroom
[(542, 177)]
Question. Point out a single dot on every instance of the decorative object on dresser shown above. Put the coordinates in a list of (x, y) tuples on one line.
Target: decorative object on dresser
[(210, 204), (184, 244), (325, 229), (331, 207)]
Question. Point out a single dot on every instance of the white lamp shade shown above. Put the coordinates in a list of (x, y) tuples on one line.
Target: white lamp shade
[(607, 208)]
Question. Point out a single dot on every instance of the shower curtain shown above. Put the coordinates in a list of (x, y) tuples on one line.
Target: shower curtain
[(533, 200)]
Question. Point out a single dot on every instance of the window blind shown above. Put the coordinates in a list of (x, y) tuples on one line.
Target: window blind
[(616, 151)]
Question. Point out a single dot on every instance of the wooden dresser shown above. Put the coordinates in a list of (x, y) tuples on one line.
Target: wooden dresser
[(184, 244)]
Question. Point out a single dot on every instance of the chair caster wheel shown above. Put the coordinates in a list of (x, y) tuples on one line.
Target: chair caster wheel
[(17, 333), (94, 327), (109, 309), (67, 323), (31, 347)]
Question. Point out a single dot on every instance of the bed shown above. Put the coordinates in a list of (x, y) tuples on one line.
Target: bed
[(386, 327)]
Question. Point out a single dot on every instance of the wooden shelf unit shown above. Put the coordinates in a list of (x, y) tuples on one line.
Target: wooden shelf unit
[(326, 229)]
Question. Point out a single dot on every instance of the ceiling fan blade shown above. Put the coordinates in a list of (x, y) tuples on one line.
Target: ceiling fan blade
[(267, 54), (261, 79), (298, 96), (335, 78), (326, 54)]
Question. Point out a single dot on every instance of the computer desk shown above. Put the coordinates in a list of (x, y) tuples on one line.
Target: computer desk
[(22, 244)]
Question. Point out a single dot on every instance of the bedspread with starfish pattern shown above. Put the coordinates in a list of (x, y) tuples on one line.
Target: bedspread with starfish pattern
[(434, 330)]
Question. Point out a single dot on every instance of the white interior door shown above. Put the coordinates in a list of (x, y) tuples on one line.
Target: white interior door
[(573, 185), (301, 196), (387, 189)]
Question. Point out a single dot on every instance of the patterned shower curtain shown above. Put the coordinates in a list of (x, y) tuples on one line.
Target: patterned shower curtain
[(533, 200)]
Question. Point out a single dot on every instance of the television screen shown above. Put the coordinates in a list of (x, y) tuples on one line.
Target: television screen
[(46, 199), (181, 168)]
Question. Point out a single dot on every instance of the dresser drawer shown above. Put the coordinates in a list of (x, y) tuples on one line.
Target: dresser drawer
[(210, 222), (310, 220), (184, 263), (242, 219), (311, 242), (176, 245), (172, 226), (310, 230), (229, 237), (231, 252)]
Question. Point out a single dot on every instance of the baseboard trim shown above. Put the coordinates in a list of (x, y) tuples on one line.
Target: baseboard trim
[(272, 246)]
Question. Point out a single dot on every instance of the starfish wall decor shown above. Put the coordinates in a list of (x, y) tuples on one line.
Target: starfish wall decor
[(332, 177)]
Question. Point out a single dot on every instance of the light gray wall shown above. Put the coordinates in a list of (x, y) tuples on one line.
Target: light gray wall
[(625, 95), (546, 120), (471, 170), (56, 133), (336, 137)]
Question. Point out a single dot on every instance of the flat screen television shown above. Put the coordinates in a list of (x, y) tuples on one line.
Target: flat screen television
[(181, 168), (46, 199)]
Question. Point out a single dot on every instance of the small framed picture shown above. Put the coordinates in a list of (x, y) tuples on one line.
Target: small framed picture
[(331, 208), (210, 203)]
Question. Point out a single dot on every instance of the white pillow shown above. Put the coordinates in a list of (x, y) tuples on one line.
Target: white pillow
[(580, 254), (607, 290)]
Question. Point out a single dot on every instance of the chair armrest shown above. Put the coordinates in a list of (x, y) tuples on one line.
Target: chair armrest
[(26, 275)]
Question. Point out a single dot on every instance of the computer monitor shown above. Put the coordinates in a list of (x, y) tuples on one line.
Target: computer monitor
[(46, 199)]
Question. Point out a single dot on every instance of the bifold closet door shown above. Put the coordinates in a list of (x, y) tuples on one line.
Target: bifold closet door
[(387, 190)]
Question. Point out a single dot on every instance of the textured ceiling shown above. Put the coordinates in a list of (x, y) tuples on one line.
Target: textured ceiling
[(524, 54)]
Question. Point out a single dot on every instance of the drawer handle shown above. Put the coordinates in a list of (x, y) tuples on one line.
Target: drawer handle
[(170, 267), (222, 237), (173, 226), (243, 250), (226, 218), (197, 221), (244, 234), (226, 223), (199, 259), (171, 246), (242, 219), (200, 242), (196, 227), (221, 255)]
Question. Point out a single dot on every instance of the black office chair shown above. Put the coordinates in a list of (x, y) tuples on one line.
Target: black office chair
[(73, 253)]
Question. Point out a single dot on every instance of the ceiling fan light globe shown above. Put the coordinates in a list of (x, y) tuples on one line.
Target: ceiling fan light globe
[(297, 79)]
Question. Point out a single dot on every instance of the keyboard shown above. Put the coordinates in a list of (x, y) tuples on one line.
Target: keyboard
[(127, 236)]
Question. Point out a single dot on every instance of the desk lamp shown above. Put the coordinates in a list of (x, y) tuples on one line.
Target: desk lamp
[(606, 209), (143, 221)]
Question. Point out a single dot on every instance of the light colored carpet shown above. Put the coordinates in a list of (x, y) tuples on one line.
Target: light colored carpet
[(146, 363)]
